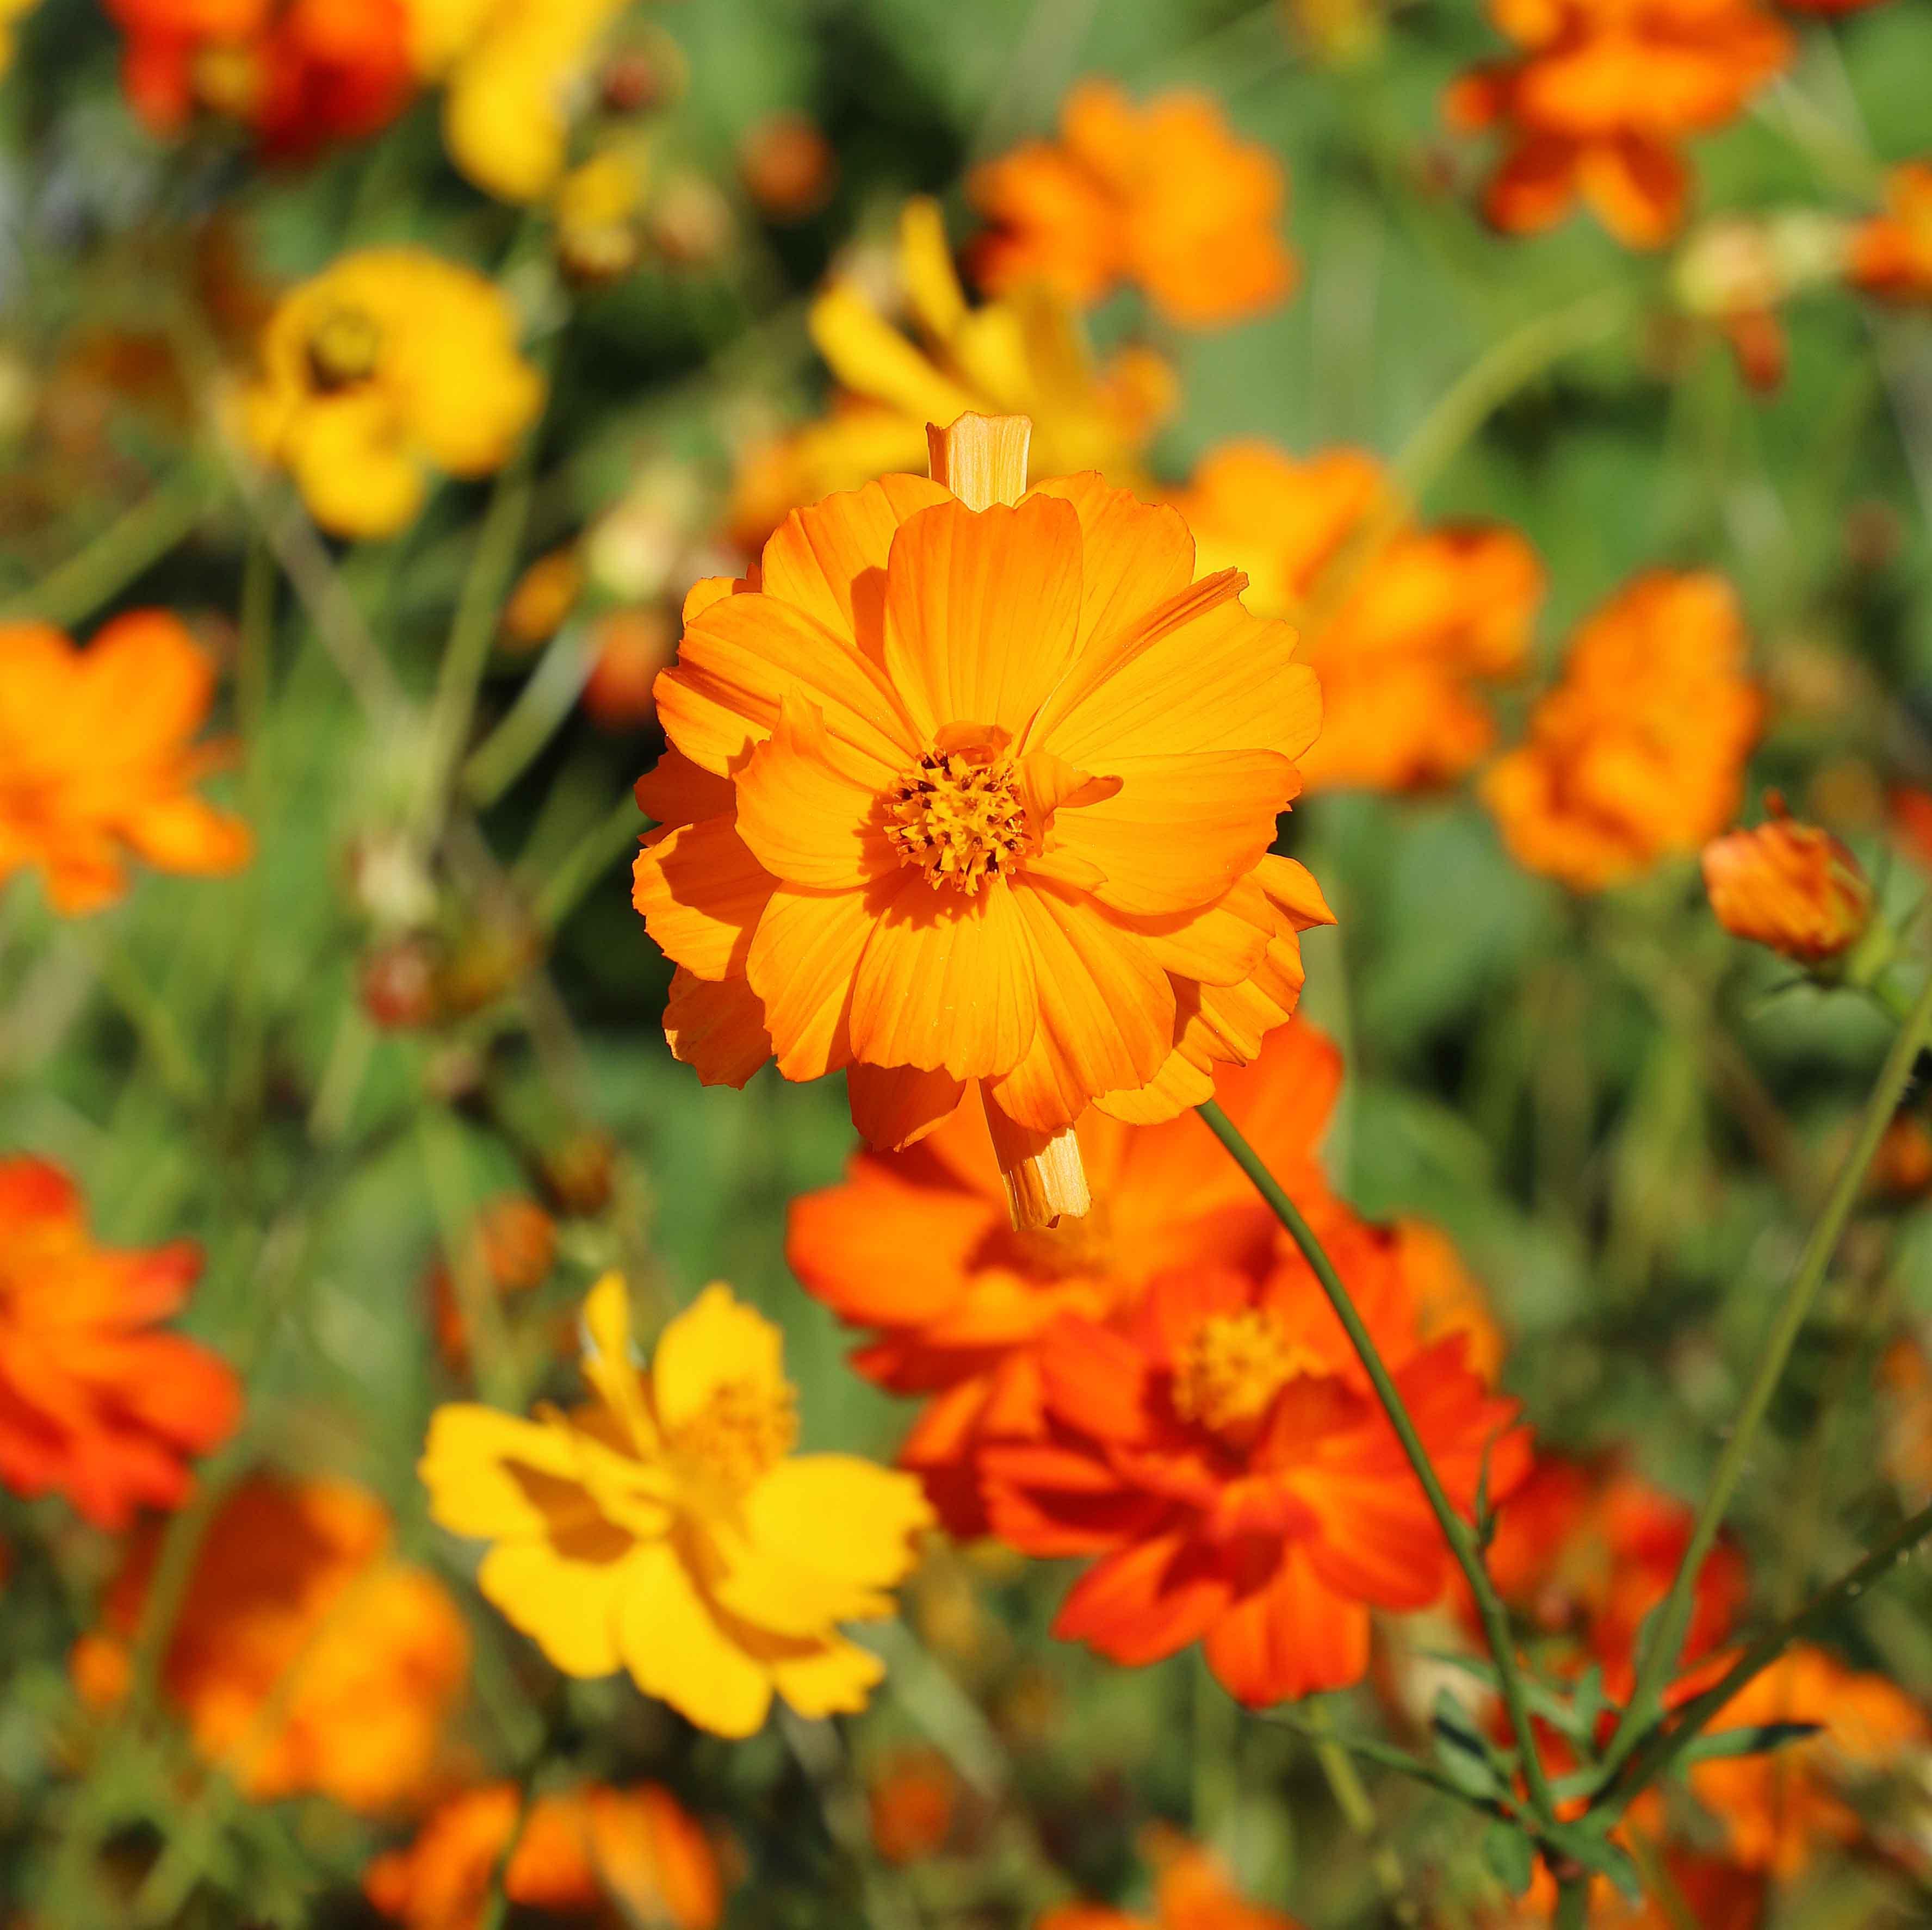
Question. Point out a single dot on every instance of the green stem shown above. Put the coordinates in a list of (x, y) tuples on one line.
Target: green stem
[(1455, 1531), (1358, 1810), (153, 1020), (1572, 1903), (129, 545), (1662, 1747), (587, 862), (1658, 1660), (541, 704), (1497, 374)]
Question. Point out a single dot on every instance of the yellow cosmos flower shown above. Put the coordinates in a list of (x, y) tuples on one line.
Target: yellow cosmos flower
[(1025, 355), (666, 1528), (511, 69), (390, 363)]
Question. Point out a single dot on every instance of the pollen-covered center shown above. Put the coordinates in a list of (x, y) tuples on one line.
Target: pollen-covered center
[(343, 347), (1233, 1365), (744, 1428), (960, 817)]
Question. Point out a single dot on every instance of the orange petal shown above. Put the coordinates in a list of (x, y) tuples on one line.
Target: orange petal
[(801, 963), (893, 1106), (982, 609), (1182, 831), (1292, 1639), (676, 791), (809, 809), (1291, 887), (1135, 557), (744, 655), (182, 834), (717, 1029), (1106, 1012), (701, 893), (946, 981), (1179, 1085), (1221, 944), (817, 556), (1637, 187)]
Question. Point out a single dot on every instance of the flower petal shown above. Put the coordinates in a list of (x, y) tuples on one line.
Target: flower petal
[(717, 1339), (810, 810), (470, 1465), (701, 891), (676, 1649), (717, 1029), (894, 1106), (804, 959), (1135, 557), (817, 557), (569, 1608), (832, 1678)]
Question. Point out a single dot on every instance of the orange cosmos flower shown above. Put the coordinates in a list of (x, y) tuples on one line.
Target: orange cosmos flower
[(304, 1655), (918, 1246), (1584, 1555), (96, 760), (1601, 98), (1400, 625), (515, 1241), (1219, 1450), (1192, 1891), (1891, 253), (1719, 1894), (978, 788), (1778, 1808), (638, 1848), (300, 73), (1789, 885), (94, 1404), (911, 1799), (1162, 196), (1640, 752)]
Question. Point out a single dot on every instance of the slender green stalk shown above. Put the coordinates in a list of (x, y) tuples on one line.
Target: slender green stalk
[(1662, 1747), (1358, 1810), (1572, 1903), (541, 704), (1455, 1531), (1658, 1660), (153, 1020), (256, 635), (1497, 374), (130, 544), (587, 862)]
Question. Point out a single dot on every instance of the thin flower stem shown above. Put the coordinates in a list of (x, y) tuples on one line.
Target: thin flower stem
[(1658, 1659), (541, 704), (587, 862), (1358, 1810), (1497, 374), (1455, 1531), (1663, 1746), (129, 545), (1572, 1903)]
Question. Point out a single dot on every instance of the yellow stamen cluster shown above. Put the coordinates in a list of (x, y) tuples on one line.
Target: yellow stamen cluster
[(342, 348), (743, 1430), (1232, 1366), (959, 817)]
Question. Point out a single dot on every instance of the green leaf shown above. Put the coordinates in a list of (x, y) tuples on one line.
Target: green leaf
[(1585, 1844), (1468, 1757), (1510, 1855), (1752, 1739)]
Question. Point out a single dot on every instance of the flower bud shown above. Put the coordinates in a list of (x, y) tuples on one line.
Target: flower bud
[(1789, 885)]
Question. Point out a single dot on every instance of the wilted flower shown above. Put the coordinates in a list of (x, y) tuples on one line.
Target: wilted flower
[(666, 1527), (632, 646), (1401, 625), (636, 1848), (1025, 355), (304, 1655), (514, 1244), (911, 1798), (1789, 885), (543, 597), (300, 73), (95, 1404), (1162, 196), (511, 71), (788, 165), (918, 1246), (1639, 753), (97, 759), (1891, 253), (980, 793), (391, 364), (1600, 99)]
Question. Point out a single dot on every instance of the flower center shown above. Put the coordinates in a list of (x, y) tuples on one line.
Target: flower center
[(960, 817), (1231, 1368), (744, 1429), (343, 349)]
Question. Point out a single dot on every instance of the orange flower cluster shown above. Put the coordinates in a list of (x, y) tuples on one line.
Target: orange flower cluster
[(1891, 253), (1639, 753), (1789, 885), (980, 792), (637, 1848), (1192, 1891), (1601, 98), (304, 1655), (1162, 1385), (299, 73), (96, 759), (94, 1405), (1163, 197), (1399, 624)]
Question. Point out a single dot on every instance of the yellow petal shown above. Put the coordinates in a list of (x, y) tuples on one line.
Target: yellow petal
[(609, 1363), (471, 1464), (833, 1678), (716, 1339), (676, 1649), (871, 358), (569, 1608)]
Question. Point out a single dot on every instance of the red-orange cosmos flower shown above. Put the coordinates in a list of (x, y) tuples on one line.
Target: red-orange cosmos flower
[(918, 1245), (1639, 752), (1789, 885), (1220, 1450), (94, 1404), (1891, 253), (1193, 1891), (978, 788), (1162, 196), (1600, 98), (96, 759), (300, 73), (304, 1656), (1401, 625)]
